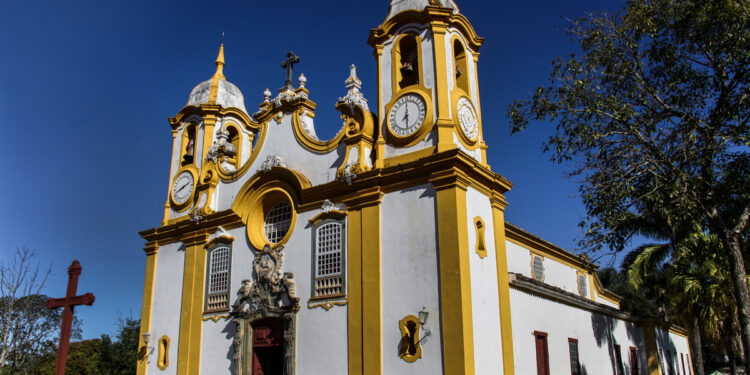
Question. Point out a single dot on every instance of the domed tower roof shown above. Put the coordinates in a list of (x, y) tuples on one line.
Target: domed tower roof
[(398, 6), (218, 90)]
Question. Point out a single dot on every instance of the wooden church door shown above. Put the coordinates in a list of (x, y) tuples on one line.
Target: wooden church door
[(268, 347)]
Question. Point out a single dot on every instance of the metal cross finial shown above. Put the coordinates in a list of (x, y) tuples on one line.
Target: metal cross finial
[(291, 59)]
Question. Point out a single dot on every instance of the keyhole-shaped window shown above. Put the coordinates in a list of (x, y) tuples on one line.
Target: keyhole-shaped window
[(408, 49), (234, 139), (163, 355), (481, 247), (409, 349)]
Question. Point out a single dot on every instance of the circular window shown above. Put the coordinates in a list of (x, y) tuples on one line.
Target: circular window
[(277, 221)]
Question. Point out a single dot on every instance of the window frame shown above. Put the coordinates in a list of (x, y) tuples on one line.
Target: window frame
[(634, 368), (207, 294), (341, 221), (574, 370), (619, 365)]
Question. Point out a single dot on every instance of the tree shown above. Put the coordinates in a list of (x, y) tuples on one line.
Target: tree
[(655, 114), (27, 327)]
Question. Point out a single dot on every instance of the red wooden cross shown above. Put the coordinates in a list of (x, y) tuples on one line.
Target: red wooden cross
[(70, 300)]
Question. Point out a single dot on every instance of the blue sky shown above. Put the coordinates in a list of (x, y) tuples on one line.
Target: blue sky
[(88, 87)]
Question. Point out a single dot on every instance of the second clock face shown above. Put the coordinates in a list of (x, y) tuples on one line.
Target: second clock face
[(182, 188), (467, 117), (407, 114)]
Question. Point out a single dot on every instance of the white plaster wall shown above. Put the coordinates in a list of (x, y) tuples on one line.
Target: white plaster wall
[(166, 303), (596, 335), (678, 348), (410, 276), (555, 273), (600, 299), (484, 293)]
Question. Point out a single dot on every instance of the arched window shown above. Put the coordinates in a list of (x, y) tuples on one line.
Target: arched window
[(188, 144), (219, 272), (236, 141), (329, 245), (408, 50), (461, 66), (537, 267)]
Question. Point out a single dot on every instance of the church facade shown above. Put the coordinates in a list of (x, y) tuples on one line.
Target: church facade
[(383, 250)]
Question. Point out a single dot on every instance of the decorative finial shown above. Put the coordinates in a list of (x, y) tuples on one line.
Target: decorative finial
[(267, 95), (291, 59), (220, 62), (353, 81), (302, 80)]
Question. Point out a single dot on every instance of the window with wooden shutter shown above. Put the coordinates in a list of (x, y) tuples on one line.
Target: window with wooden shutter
[(575, 363), (618, 358), (634, 370)]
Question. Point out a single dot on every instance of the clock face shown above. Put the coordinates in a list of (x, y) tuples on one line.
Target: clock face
[(467, 118), (182, 187), (407, 114)]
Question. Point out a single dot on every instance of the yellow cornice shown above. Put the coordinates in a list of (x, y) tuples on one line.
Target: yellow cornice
[(334, 214), (186, 229), (604, 293), (437, 15), (536, 244), (673, 328), (216, 110), (311, 143)]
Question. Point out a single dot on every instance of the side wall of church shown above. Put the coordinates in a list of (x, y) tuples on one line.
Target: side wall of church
[(410, 274), (675, 348), (484, 293), (166, 303), (556, 274), (596, 335)]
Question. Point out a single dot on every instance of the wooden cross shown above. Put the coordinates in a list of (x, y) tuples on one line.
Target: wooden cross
[(291, 59), (70, 300)]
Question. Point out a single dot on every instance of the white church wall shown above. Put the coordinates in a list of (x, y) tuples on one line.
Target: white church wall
[(555, 273), (166, 303), (673, 347), (596, 335), (410, 276), (484, 294), (216, 346), (326, 329)]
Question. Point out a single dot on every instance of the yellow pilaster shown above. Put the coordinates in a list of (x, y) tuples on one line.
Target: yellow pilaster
[(148, 296), (380, 144), (169, 182), (503, 285), (189, 347), (365, 300), (208, 136), (652, 352), (444, 121), (455, 282)]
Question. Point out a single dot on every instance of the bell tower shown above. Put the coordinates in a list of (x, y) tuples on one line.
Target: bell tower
[(428, 96)]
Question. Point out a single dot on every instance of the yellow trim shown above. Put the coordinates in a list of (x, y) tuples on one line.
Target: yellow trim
[(311, 143), (679, 331), (652, 351), (430, 14), (444, 123), (503, 285), (463, 82), (209, 121), (606, 294), (214, 318), (163, 354), (148, 297), (169, 180), (408, 158), (535, 244), (455, 283), (591, 288), (364, 275), (266, 199), (238, 147), (380, 143), (184, 137), (480, 247), (424, 128), (478, 106), (334, 214), (355, 308), (578, 282), (225, 239), (327, 305), (402, 325), (191, 312)]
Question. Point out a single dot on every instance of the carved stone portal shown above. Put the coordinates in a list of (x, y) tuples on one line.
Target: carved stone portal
[(270, 294)]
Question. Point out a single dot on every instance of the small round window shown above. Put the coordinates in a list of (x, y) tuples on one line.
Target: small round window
[(537, 268), (582, 289), (277, 221)]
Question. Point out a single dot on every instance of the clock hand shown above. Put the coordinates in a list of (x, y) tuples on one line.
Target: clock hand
[(182, 188)]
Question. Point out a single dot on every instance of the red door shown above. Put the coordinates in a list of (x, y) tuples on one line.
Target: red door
[(634, 361), (542, 353), (268, 347)]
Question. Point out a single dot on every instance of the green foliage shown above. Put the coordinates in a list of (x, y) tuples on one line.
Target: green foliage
[(655, 109)]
